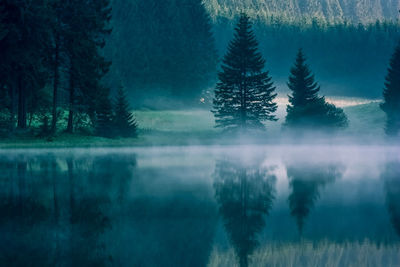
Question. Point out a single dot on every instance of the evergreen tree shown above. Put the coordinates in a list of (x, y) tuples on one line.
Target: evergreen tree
[(124, 122), (104, 117), (87, 65), (306, 108), (22, 52), (244, 94), (391, 95), (57, 51)]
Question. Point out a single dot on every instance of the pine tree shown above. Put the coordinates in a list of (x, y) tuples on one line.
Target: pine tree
[(306, 108), (244, 94), (22, 52), (124, 122), (57, 51), (87, 65), (104, 117), (391, 95)]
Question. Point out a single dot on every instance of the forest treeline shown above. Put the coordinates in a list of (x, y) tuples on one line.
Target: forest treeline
[(355, 11), (52, 67), (245, 92), (162, 48), (349, 59), (62, 62), (171, 49)]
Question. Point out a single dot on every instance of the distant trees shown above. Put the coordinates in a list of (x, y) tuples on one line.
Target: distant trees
[(340, 52), (245, 93), (124, 122), (306, 108), (391, 95), (115, 119), (104, 117), (171, 49)]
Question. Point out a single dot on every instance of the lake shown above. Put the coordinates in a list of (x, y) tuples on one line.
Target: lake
[(201, 206)]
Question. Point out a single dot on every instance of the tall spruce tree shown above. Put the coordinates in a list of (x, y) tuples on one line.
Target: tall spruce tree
[(391, 95), (306, 108), (245, 93), (124, 123)]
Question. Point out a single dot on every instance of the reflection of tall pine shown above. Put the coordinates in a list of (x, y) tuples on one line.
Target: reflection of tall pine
[(124, 122), (306, 108), (391, 95), (244, 94)]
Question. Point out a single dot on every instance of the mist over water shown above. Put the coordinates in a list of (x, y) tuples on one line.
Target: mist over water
[(199, 206)]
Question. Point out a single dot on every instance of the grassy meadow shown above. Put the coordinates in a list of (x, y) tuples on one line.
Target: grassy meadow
[(196, 127)]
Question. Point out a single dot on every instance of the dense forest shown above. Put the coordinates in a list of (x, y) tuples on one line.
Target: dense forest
[(65, 65), (355, 11), (348, 57), (163, 48)]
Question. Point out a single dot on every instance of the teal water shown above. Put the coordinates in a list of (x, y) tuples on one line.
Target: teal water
[(199, 206)]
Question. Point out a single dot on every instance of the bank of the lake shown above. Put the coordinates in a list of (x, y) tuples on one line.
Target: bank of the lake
[(194, 127)]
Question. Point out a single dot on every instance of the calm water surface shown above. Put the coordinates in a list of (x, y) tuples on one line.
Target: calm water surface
[(201, 206)]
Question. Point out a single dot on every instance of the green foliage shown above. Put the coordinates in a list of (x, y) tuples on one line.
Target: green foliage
[(391, 95), (23, 52), (57, 43), (244, 94), (306, 108), (124, 122)]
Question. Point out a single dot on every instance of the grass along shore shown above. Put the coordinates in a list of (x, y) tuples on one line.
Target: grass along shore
[(196, 127)]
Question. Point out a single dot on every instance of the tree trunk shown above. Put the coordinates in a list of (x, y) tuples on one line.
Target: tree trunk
[(70, 127), (21, 106), (55, 83)]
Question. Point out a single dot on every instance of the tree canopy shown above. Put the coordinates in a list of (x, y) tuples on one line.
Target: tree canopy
[(244, 95)]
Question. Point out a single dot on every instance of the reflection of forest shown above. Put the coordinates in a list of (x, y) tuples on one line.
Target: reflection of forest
[(391, 177), (306, 182), (170, 219), (245, 195), (56, 209)]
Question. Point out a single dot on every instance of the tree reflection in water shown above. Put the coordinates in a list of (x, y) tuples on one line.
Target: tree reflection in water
[(55, 208), (305, 182), (391, 177), (245, 195)]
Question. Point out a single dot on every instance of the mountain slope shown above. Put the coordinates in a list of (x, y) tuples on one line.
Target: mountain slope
[(355, 11)]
